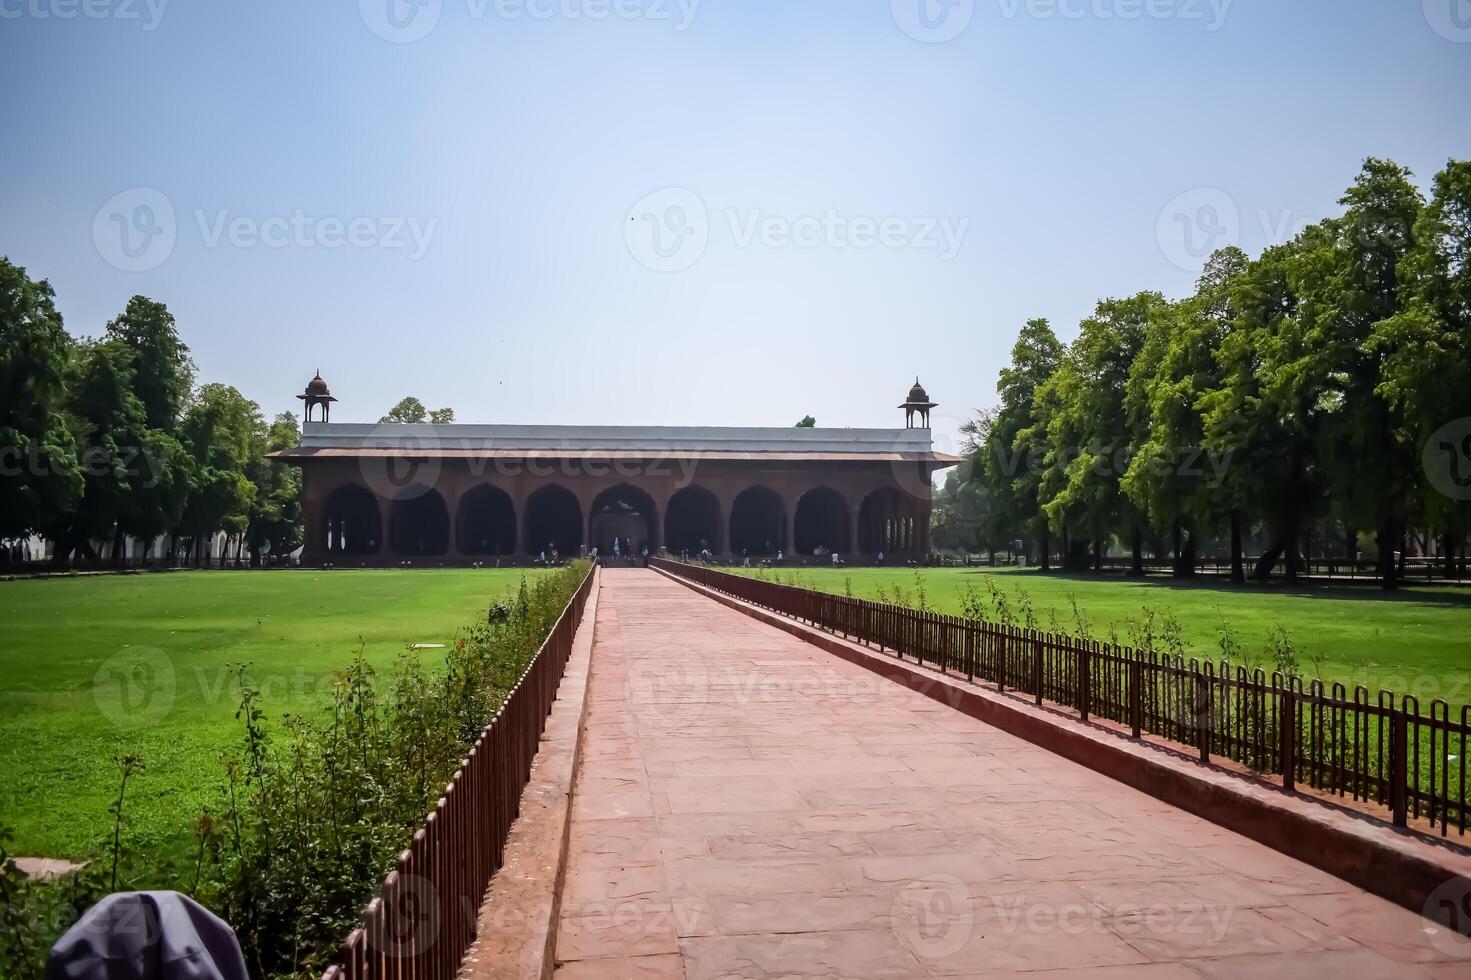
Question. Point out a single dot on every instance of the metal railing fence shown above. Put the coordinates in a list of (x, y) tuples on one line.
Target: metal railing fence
[(420, 925), (1381, 749)]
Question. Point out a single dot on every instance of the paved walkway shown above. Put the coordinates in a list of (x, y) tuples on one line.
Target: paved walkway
[(749, 806)]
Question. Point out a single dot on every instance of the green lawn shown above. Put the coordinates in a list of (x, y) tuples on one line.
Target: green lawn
[(93, 667), (1416, 641)]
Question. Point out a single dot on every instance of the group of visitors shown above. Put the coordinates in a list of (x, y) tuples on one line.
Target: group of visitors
[(15, 552), (623, 548)]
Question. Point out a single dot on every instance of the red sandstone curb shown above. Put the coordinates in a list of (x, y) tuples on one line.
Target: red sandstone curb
[(1403, 867), (516, 925)]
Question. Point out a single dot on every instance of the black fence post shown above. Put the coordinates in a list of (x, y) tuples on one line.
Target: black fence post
[(999, 638), (1202, 712), (970, 650), (1287, 728), (1037, 666), (1085, 678), (1136, 696), (1399, 768)]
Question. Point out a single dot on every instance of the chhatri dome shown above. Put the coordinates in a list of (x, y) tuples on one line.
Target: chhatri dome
[(918, 403), (317, 393)]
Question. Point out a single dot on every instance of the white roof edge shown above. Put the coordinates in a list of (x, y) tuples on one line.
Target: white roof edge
[(357, 435)]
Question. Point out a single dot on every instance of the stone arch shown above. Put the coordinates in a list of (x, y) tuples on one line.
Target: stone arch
[(418, 523), (885, 523), (624, 512), (553, 519), (821, 520), (757, 522), (692, 521), (351, 525), (486, 522)]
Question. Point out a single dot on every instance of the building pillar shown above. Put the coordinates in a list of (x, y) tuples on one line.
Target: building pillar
[(853, 528), (313, 517), (518, 514), (385, 530), (790, 545), (452, 495)]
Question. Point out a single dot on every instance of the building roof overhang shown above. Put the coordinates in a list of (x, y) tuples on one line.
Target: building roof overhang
[(323, 440)]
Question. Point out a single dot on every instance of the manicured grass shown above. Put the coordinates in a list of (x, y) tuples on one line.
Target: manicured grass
[(66, 709), (1416, 641)]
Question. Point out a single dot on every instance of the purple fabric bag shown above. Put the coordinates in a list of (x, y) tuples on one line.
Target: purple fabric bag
[(147, 936)]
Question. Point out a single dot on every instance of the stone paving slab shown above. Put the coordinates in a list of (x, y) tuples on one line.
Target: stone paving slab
[(749, 806)]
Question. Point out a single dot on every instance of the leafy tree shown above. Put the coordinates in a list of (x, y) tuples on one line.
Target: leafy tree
[(220, 429), (1091, 426), (1349, 285), (1007, 449), (276, 527), (1170, 479), (412, 411), (959, 518), (808, 422), (109, 423), (162, 369), (1426, 372), (39, 477), (1256, 418)]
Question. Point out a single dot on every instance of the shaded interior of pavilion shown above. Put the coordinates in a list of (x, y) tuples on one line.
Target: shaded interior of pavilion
[(485, 523)]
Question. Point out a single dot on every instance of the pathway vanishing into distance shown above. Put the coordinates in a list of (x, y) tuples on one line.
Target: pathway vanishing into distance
[(750, 806)]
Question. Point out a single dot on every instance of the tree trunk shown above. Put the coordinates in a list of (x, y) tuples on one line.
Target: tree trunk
[(1136, 562), (1290, 540), (1185, 545), (1386, 539), (1185, 565), (1238, 566), (1448, 554), (1267, 562), (1045, 551)]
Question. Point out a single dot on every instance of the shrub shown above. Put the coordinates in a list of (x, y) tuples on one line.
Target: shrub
[(313, 812)]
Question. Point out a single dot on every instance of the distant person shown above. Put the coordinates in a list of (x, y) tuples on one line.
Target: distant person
[(543, 557), (779, 555), (881, 556)]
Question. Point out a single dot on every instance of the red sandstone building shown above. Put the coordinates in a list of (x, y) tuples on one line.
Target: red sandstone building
[(382, 494)]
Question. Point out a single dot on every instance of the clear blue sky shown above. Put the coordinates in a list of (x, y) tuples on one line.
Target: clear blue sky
[(520, 139)]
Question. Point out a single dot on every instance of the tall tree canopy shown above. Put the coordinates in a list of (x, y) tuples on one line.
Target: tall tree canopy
[(1317, 386), (39, 478)]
